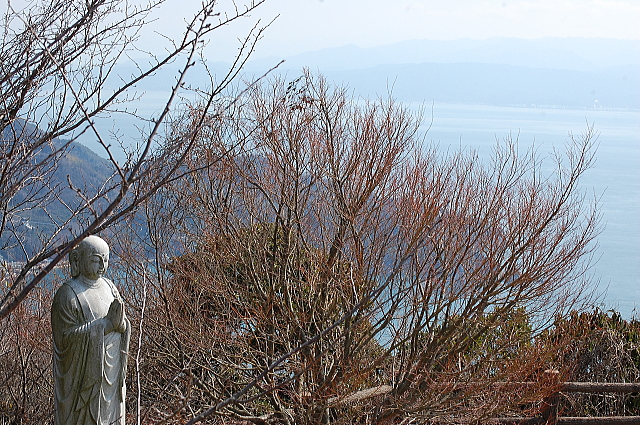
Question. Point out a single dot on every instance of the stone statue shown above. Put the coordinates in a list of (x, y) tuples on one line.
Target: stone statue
[(90, 341)]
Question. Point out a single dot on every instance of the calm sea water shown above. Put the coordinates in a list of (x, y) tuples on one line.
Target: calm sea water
[(615, 176)]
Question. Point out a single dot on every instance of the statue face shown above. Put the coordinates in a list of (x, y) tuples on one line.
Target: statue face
[(94, 264)]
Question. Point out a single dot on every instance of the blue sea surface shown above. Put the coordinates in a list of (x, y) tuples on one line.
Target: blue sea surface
[(614, 179)]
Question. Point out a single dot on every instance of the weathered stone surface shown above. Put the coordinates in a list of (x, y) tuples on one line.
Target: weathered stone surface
[(91, 340)]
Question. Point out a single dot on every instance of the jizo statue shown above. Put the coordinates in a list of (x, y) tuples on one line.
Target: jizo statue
[(90, 340)]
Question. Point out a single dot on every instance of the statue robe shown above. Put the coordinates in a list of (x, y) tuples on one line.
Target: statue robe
[(89, 367)]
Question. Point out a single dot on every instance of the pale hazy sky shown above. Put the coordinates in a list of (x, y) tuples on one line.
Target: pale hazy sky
[(376, 22), (305, 25)]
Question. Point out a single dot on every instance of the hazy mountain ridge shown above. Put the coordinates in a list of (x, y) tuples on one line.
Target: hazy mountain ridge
[(582, 54), (563, 72), (559, 72), (496, 84)]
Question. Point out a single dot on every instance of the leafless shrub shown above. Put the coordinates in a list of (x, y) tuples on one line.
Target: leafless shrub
[(26, 381), (333, 254)]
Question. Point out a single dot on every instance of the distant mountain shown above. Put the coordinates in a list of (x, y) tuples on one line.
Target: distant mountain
[(564, 72), (561, 72), (581, 54), (495, 84)]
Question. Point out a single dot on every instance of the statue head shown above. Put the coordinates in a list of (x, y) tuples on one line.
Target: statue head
[(90, 258)]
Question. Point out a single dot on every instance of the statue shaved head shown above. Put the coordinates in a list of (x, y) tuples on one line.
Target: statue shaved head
[(91, 245)]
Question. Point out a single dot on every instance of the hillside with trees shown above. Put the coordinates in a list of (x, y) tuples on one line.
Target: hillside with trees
[(32, 223)]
